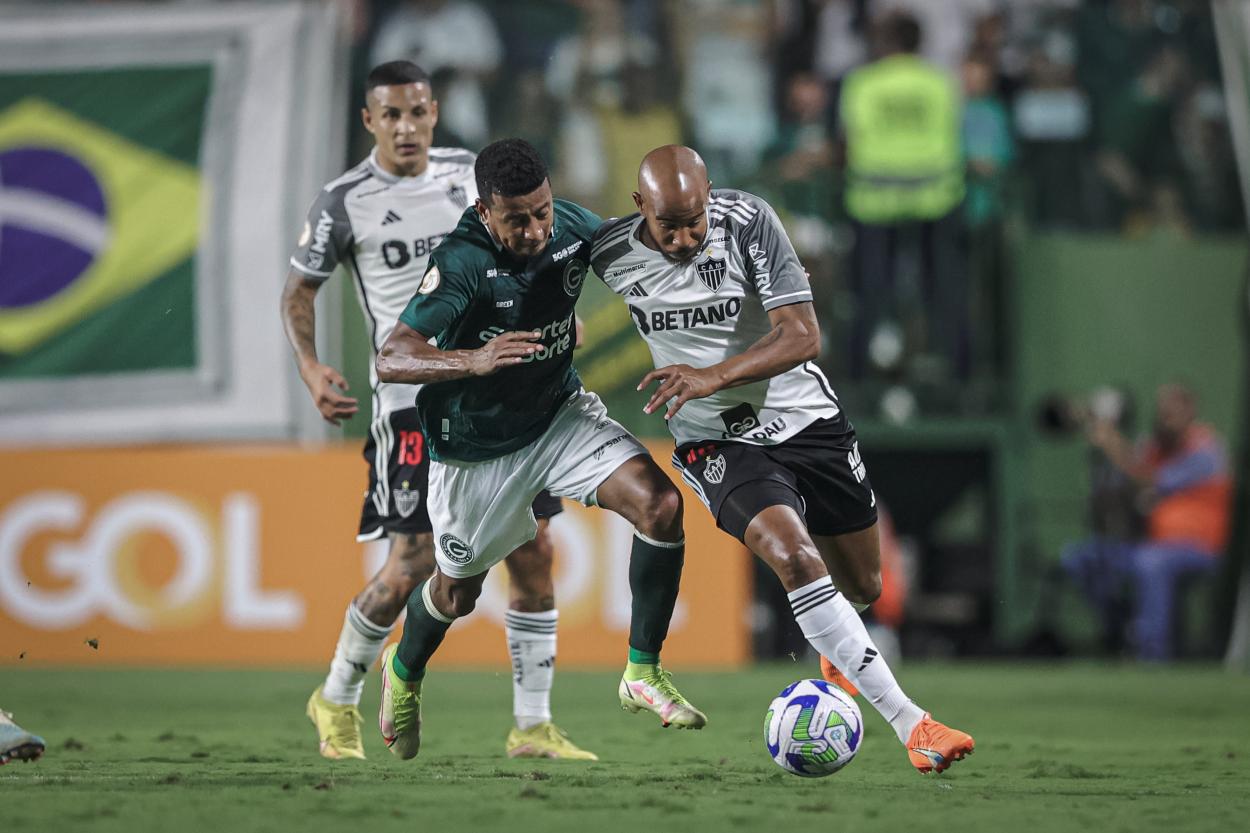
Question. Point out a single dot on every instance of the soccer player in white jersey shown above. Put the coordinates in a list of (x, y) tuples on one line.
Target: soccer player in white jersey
[(717, 292), (381, 220)]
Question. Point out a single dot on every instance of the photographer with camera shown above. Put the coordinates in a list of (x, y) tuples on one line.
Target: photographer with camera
[(1180, 479)]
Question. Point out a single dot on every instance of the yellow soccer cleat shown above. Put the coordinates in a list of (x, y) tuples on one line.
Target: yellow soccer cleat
[(654, 692), (546, 740), (399, 715), (338, 727)]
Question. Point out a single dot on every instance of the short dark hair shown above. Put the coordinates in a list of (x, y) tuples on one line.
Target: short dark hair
[(509, 168), (394, 73), (902, 32)]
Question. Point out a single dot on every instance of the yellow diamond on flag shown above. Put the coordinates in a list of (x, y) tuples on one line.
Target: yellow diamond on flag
[(86, 218)]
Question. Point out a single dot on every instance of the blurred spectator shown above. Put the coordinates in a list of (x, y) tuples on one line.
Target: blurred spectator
[(1212, 190), (1181, 474), (904, 184), (727, 95), (617, 111), (1136, 146), (988, 144), (801, 159), (841, 42), (1114, 40), (630, 128), (1053, 123), (948, 26), (456, 42), (989, 150)]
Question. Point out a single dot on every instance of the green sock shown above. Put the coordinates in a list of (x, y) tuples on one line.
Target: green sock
[(637, 657), (402, 671), (640, 670), (424, 630), (654, 576)]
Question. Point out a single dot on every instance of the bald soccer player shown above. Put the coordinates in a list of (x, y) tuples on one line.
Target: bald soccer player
[(716, 290)]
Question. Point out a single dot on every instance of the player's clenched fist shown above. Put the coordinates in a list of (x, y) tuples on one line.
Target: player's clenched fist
[(503, 350)]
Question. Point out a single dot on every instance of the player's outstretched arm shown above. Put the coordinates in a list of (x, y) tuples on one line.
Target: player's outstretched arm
[(794, 339), (408, 357), (299, 321)]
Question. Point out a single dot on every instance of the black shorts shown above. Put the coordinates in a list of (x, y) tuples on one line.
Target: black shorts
[(818, 471), (399, 468)]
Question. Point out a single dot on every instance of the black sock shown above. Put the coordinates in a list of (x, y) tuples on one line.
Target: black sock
[(654, 576)]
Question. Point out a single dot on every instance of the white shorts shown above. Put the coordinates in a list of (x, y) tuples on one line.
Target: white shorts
[(481, 511)]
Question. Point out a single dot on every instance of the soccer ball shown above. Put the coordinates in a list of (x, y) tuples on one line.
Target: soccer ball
[(813, 729)]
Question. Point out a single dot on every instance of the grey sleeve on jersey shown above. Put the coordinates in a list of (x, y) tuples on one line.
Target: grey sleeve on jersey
[(771, 261), (611, 241), (326, 239)]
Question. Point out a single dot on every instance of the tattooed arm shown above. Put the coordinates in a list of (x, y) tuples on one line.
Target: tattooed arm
[(299, 320)]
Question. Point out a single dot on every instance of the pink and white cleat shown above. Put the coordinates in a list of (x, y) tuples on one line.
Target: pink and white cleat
[(655, 692)]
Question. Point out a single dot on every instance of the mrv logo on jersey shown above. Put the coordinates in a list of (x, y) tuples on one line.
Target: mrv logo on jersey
[(320, 238), (556, 338), (684, 318)]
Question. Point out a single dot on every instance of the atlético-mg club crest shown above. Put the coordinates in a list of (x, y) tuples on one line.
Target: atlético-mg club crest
[(711, 272), (406, 500), (714, 471)]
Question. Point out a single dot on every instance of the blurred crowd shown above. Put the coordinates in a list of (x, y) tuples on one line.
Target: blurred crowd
[(1103, 115)]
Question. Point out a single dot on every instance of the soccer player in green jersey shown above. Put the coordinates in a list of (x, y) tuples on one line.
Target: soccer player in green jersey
[(379, 221), (505, 416)]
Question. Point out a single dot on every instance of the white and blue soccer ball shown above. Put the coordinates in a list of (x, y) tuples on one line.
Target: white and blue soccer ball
[(813, 728)]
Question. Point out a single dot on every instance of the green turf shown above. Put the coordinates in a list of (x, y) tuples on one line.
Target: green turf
[(1064, 748)]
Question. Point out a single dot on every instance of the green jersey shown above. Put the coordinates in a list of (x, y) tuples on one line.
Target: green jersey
[(474, 290)]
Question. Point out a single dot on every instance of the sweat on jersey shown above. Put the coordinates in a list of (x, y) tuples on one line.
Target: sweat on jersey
[(702, 311), (475, 290), (383, 227)]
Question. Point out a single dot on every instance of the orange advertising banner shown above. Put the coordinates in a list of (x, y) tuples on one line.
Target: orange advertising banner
[(245, 555)]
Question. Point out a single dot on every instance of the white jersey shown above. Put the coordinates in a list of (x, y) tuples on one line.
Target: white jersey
[(382, 228), (705, 310)]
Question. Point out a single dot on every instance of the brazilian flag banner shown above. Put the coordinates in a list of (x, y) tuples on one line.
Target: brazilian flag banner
[(153, 162), (99, 221)]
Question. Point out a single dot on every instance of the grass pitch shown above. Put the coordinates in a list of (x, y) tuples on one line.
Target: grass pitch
[(1058, 748)]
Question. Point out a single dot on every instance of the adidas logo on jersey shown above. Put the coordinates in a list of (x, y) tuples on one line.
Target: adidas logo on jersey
[(636, 291), (391, 217)]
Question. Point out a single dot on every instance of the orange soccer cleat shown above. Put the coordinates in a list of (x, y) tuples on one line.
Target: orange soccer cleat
[(932, 747), (832, 675)]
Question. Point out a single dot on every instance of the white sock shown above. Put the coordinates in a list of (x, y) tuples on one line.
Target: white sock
[(834, 629), (532, 646), (360, 644)]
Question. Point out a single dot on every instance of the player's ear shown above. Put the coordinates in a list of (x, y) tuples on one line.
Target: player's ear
[(637, 201), (366, 118), (482, 209), (433, 112)]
